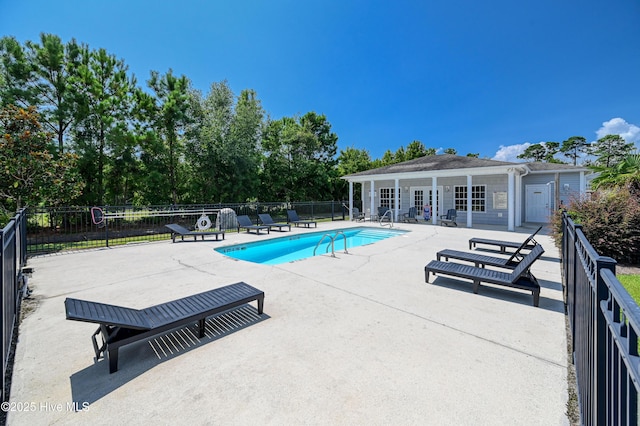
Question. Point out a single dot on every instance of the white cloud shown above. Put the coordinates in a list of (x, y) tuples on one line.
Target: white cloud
[(511, 152), (618, 126)]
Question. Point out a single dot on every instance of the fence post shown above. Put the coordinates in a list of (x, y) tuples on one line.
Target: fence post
[(572, 274), (600, 365), (106, 225)]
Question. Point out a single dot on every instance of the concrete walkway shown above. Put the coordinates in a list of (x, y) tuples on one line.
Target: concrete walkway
[(356, 339)]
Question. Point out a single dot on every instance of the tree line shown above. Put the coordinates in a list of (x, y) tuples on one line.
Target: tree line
[(79, 129), (605, 152)]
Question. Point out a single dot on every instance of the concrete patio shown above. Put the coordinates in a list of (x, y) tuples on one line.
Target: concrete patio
[(356, 339)]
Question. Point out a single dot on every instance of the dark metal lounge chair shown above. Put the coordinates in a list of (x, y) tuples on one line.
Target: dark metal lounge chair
[(410, 215), (183, 232), (120, 326), (521, 277), (481, 260), (265, 219), (245, 223), (449, 218), (292, 217), (504, 244)]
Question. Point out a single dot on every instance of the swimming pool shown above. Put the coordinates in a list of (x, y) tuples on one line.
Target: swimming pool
[(298, 247)]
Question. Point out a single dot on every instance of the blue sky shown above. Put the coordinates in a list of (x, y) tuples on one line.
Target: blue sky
[(481, 77)]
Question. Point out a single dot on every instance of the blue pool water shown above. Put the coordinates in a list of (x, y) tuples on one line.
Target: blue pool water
[(301, 246)]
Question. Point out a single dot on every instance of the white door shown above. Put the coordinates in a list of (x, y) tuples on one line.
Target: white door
[(537, 203), (421, 196)]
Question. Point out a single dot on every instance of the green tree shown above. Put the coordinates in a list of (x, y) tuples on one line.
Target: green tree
[(609, 150), (29, 173), (351, 160), (42, 74), (451, 151), (473, 155), (208, 145), (574, 147), (246, 135), (225, 149), (17, 86), (388, 158), (415, 150), (299, 161), (170, 109), (542, 152), (104, 107)]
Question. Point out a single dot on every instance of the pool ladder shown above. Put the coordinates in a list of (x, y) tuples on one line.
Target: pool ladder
[(333, 240), (390, 214)]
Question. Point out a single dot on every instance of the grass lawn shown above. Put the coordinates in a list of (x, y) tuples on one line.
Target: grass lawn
[(632, 284)]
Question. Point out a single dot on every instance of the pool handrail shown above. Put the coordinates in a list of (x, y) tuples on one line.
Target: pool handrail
[(333, 238), (390, 213)]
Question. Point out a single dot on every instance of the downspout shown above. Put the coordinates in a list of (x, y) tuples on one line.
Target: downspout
[(519, 185)]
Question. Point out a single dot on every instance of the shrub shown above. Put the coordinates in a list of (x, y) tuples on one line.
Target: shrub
[(611, 222)]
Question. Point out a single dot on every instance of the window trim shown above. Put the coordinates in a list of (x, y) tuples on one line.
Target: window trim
[(463, 201)]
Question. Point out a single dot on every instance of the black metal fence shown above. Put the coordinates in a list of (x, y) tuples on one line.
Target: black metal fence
[(13, 257), (604, 323), (54, 229)]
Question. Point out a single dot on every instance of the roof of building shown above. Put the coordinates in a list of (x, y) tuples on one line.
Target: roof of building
[(455, 162)]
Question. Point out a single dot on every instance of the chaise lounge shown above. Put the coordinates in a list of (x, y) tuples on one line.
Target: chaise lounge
[(120, 326), (292, 217), (265, 219), (482, 260), (245, 223), (521, 277), (184, 232), (504, 244)]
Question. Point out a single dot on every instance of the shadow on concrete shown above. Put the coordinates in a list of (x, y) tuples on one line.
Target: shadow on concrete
[(95, 382), (506, 293)]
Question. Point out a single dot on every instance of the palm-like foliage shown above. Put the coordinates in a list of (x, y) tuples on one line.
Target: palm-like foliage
[(624, 173)]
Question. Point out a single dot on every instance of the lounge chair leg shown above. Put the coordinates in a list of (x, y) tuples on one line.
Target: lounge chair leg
[(476, 286), (426, 275), (260, 306), (536, 297), (201, 327), (113, 360)]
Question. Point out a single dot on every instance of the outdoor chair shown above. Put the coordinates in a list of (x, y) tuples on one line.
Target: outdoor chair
[(504, 244), (292, 217), (383, 214), (120, 326), (265, 219), (410, 215), (184, 232), (245, 223), (521, 277), (449, 218), (481, 260), (356, 215)]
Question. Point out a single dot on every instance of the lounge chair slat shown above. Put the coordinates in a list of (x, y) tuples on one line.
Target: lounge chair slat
[(292, 217), (473, 242), (121, 326), (182, 231), (520, 277), (265, 219), (244, 222)]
